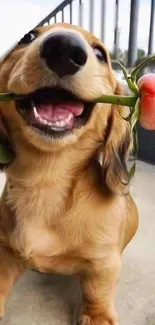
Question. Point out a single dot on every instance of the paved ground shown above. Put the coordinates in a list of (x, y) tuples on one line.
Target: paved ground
[(44, 299)]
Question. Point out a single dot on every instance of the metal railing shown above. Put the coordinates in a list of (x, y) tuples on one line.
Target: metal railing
[(52, 17)]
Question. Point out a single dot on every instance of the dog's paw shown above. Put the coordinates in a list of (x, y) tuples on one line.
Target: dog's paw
[(95, 320)]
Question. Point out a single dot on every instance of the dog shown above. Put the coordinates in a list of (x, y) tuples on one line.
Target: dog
[(66, 206)]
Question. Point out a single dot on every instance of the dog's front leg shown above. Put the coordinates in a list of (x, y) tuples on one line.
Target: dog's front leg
[(11, 268), (98, 290)]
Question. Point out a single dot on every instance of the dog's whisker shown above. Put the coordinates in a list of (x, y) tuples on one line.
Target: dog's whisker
[(94, 94), (99, 75), (106, 87)]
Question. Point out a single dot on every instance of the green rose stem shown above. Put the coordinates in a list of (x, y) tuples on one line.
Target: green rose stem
[(6, 97), (5, 155), (111, 99), (118, 100)]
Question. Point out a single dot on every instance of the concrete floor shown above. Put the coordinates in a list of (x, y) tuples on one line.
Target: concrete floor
[(46, 299)]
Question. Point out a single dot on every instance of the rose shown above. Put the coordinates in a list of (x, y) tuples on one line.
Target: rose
[(146, 86)]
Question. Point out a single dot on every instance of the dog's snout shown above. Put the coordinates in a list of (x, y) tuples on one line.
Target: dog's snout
[(65, 53)]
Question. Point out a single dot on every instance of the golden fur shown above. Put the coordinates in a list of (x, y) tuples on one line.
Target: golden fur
[(66, 205)]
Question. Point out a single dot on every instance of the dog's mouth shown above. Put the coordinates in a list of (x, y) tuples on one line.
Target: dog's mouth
[(54, 110)]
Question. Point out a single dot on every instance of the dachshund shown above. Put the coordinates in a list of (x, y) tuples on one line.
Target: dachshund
[(66, 206)]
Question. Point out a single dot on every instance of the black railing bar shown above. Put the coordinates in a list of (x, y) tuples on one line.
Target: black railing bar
[(91, 16), (70, 12), (62, 13), (80, 13), (103, 19)]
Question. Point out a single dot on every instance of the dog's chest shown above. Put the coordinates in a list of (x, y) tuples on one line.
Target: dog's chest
[(53, 221), (37, 214)]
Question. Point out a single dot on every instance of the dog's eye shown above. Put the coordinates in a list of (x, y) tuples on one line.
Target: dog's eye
[(28, 38), (100, 54)]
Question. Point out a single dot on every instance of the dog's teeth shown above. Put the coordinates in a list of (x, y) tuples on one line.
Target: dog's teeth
[(57, 124), (45, 122), (62, 123), (68, 118), (42, 120), (37, 116), (35, 112)]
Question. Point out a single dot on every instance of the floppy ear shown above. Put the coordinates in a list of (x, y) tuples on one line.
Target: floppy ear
[(117, 146), (6, 149)]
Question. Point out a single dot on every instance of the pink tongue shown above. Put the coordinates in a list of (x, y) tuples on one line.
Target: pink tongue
[(59, 111)]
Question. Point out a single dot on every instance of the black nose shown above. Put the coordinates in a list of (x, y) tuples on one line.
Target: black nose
[(64, 52)]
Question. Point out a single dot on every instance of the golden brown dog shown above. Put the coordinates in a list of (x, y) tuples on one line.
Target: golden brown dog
[(66, 206)]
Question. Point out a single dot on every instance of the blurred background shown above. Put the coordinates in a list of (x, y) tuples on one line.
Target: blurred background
[(125, 26)]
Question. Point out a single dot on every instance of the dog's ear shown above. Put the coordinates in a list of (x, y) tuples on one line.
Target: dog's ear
[(118, 144), (6, 148)]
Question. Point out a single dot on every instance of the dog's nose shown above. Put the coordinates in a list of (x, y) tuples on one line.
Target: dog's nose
[(65, 53)]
